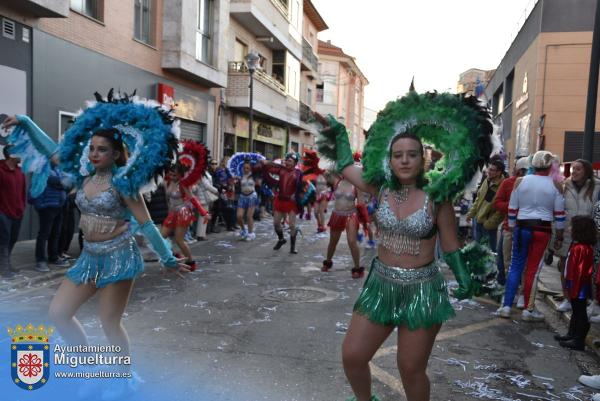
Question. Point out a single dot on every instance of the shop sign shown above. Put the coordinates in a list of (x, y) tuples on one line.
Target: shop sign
[(166, 95), (264, 130)]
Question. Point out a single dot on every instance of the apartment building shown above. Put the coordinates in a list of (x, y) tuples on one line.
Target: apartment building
[(538, 92), (54, 54), (312, 25), (342, 91), (273, 30)]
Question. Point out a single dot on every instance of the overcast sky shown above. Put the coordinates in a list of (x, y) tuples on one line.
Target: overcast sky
[(434, 40)]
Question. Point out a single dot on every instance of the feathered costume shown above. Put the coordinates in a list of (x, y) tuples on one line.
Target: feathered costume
[(148, 131), (248, 197), (460, 128), (195, 157)]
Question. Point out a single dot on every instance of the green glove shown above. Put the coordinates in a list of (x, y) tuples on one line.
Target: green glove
[(466, 286), (333, 143)]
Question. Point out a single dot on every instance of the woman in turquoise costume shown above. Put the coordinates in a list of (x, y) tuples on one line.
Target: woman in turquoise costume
[(405, 288), (113, 148)]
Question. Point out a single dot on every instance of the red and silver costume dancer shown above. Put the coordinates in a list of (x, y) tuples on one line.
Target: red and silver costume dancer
[(344, 217), (182, 176), (315, 175), (285, 203), (534, 203)]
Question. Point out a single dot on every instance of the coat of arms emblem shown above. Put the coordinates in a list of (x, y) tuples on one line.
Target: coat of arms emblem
[(30, 355)]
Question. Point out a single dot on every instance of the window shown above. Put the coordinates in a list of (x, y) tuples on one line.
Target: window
[(239, 51), (204, 33), (309, 96), (320, 90), (91, 8), (144, 21), (508, 96)]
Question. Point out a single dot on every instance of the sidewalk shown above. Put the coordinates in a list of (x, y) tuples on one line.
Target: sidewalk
[(550, 289), (23, 258)]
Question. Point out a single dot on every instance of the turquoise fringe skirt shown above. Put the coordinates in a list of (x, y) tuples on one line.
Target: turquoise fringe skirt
[(394, 296), (105, 262)]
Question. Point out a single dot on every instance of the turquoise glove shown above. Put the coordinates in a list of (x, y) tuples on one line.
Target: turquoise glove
[(42, 142), (466, 286), (333, 143), (159, 244)]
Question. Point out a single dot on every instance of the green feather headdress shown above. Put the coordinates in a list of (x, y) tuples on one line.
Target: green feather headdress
[(457, 126)]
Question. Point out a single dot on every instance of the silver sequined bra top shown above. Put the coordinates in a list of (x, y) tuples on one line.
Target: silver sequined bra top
[(101, 213), (403, 236)]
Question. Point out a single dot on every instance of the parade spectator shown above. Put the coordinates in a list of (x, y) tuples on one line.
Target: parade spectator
[(12, 207), (214, 207), (488, 218), (207, 194), (534, 203), (577, 275), (581, 192), (501, 204), (49, 206), (68, 226)]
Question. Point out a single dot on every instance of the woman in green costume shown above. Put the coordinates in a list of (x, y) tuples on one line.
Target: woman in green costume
[(405, 288)]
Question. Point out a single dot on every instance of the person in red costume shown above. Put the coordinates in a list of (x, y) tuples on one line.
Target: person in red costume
[(285, 203), (578, 280), (181, 200)]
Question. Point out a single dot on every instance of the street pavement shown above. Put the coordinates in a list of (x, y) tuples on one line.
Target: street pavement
[(256, 324)]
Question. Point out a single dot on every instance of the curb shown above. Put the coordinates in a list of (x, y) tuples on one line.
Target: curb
[(593, 338)]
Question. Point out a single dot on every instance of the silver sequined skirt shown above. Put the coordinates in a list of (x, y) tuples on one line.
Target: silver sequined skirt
[(105, 262)]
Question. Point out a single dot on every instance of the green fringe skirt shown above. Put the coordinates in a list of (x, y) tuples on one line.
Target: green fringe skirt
[(394, 296)]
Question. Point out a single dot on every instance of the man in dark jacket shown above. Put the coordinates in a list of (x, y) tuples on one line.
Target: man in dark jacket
[(49, 207), (12, 207)]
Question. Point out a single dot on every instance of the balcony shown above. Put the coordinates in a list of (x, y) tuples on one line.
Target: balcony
[(41, 8), (306, 118), (309, 58), (270, 99), (268, 19)]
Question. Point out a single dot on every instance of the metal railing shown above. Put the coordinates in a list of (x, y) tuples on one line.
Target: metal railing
[(282, 6), (305, 113), (309, 55), (241, 67)]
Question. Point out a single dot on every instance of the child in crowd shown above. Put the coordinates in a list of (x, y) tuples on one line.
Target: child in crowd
[(578, 280)]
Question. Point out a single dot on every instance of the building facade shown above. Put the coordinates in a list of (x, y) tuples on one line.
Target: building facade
[(341, 93), (273, 30), (62, 51), (313, 24), (538, 92)]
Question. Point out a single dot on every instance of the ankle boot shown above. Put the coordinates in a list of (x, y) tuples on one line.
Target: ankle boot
[(577, 344), (280, 241), (327, 264), (293, 244)]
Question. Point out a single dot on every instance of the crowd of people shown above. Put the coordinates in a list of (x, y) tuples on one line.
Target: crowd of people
[(387, 194)]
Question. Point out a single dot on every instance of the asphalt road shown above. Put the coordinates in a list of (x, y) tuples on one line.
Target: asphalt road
[(256, 324)]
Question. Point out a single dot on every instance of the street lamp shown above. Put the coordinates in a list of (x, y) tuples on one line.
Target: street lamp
[(252, 60)]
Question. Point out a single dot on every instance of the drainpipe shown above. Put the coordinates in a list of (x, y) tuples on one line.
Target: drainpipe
[(592, 95)]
